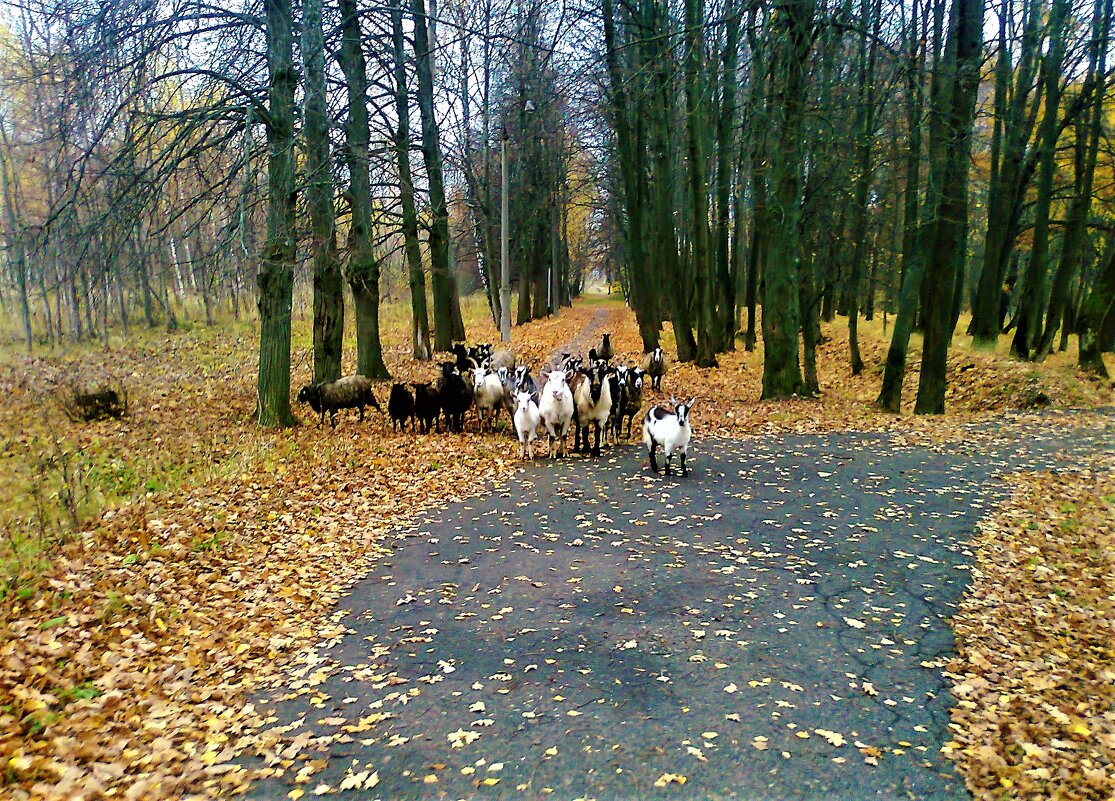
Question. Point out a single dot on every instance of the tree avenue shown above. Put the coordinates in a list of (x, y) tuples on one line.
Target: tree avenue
[(740, 173)]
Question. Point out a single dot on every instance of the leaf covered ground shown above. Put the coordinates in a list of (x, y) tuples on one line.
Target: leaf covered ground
[(979, 384), (1034, 678), (158, 569)]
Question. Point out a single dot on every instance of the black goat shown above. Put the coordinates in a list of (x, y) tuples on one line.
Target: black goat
[(456, 397), (632, 399), (427, 407), (465, 362), (400, 407)]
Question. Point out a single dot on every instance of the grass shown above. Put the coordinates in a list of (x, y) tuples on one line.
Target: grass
[(191, 390)]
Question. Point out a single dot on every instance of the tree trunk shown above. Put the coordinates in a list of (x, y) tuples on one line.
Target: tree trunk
[(810, 324), (1006, 192), (707, 339), (913, 260), (1098, 306), (781, 315), (440, 278), (276, 272), (629, 157), (757, 159), (726, 257), (1087, 151), (329, 305), (144, 280), (363, 266), (960, 68), (16, 257), (865, 114), (666, 259), (1028, 319), (420, 320)]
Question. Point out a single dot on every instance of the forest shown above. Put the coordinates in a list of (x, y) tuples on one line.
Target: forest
[(848, 262), (918, 160)]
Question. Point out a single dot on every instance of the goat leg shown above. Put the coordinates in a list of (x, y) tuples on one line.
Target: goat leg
[(653, 453), (684, 469), (596, 441)]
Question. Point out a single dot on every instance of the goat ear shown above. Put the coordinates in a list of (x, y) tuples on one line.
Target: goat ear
[(569, 375), (689, 403), (673, 401)]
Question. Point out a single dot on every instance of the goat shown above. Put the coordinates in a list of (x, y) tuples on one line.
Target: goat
[(502, 358), (507, 381), (400, 407), (555, 407), (617, 381), (513, 384), (488, 395), (480, 353), (350, 392), (655, 365), (523, 380), (456, 397), (593, 401), (570, 363), (606, 351), (526, 420), (427, 406), (669, 429), (464, 362), (632, 399)]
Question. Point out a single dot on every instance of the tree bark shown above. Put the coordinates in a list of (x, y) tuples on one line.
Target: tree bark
[(707, 339), (781, 314), (1005, 193), (1087, 149), (913, 257), (1097, 307), (329, 302), (865, 118), (1028, 319), (960, 66), (363, 266), (726, 257), (276, 272), (629, 159), (420, 320), (440, 278)]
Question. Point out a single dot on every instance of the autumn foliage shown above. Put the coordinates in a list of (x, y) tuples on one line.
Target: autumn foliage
[(1035, 675), (198, 554)]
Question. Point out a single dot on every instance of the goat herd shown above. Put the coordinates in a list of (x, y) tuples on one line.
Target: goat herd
[(577, 394)]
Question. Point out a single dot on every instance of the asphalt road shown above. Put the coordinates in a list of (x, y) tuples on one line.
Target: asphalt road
[(766, 629)]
